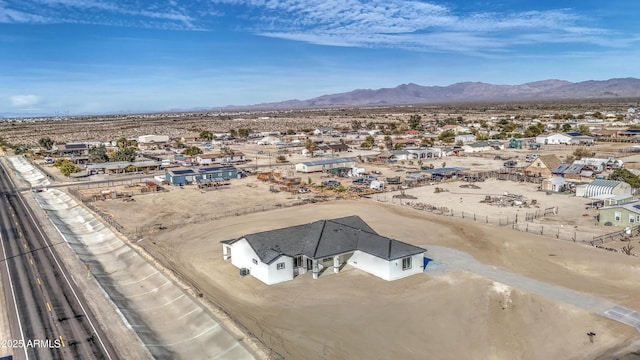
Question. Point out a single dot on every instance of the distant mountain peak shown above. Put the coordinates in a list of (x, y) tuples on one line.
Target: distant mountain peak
[(414, 94)]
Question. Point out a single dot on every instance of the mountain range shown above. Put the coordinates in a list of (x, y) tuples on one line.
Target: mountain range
[(464, 92)]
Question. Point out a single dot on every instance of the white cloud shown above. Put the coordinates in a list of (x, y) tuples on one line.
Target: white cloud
[(22, 101), (415, 25)]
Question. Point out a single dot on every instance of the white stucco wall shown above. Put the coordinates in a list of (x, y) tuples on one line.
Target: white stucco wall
[(387, 270), (395, 267), (371, 264), (242, 256), (275, 276)]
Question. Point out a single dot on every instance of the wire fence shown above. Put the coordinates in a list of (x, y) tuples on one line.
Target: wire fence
[(519, 222), (138, 230)]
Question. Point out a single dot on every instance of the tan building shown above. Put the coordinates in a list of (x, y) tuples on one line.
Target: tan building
[(542, 166)]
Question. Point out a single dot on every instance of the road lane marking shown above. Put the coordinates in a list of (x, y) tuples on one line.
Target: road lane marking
[(31, 261), (49, 307), (39, 283), (61, 341)]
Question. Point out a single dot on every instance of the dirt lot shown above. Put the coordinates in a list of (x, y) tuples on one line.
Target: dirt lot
[(354, 315)]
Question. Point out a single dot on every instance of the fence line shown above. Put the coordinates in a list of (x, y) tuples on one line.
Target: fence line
[(516, 222), (138, 230)]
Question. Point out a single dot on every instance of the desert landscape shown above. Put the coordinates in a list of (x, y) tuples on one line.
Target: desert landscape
[(514, 273), (447, 313)]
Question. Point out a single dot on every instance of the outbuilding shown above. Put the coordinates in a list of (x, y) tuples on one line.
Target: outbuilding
[(181, 177), (326, 165), (603, 187)]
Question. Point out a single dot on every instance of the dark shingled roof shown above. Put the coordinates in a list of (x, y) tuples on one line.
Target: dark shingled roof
[(326, 238)]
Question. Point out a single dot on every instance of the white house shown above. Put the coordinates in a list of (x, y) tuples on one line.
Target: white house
[(326, 165), (218, 158), (268, 140), (554, 139), (319, 247), (466, 138), (152, 141)]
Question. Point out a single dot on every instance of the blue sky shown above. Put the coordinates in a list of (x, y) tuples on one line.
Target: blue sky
[(106, 56)]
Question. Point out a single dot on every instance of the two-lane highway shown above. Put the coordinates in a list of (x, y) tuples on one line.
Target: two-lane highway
[(48, 317)]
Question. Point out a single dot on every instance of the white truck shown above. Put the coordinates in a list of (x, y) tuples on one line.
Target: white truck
[(377, 185)]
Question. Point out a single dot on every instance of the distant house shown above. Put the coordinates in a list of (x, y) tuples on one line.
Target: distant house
[(268, 140), (580, 139), (542, 166), (622, 214), (71, 149), (573, 171), (554, 139), (481, 146), (180, 177), (189, 138), (466, 138), (149, 142), (323, 246), (333, 165), (457, 129), (220, 158), (401, 155), (323, 131), (425, 152)]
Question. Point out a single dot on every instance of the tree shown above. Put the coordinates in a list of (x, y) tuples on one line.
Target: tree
[(368, 142), (98, 154), (67, 167), (128, 154), (192, 151), (566, 127), (233, 133), (281, 159), (122, 143), (584, 129), (622, 174), (388, 143), (206, 135), (581, 152), (311, 146), (414, 122), (45, 143), (244, 132), (447, 136), (356, 125)]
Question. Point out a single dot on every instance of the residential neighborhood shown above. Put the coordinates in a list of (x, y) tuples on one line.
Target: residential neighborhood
[(355, 204)]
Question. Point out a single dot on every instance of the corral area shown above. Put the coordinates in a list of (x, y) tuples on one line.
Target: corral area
[(445, 315)]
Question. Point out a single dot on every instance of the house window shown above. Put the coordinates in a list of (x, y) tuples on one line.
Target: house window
[(280, 266), (632, 218), (406, 263), (297, 262), (618, 215), (255, 261)]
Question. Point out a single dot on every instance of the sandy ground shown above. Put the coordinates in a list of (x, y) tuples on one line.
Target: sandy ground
[(354, 315)]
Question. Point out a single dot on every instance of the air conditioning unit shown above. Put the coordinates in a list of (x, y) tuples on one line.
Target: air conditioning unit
[(244, 271)]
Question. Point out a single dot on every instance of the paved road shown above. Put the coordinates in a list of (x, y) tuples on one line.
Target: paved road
[(447, 259), (47, 317)]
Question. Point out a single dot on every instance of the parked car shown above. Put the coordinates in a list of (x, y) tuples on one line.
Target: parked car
[(331, 183), (303, 190), (511, 164), (361, 181)]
